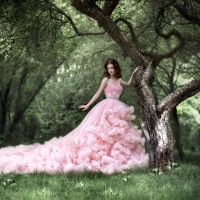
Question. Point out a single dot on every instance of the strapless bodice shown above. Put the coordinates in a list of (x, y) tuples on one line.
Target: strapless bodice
[(113, 91)]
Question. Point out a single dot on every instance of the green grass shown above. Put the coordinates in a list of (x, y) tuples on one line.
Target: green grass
[(181, 183)]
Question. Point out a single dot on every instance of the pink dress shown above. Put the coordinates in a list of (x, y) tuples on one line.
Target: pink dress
[(106, 141)]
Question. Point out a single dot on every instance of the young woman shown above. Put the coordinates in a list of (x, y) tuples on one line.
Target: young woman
[(105, 141)]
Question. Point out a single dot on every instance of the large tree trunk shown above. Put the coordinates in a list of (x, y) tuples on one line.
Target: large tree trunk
[(159, 137), (156, 125)]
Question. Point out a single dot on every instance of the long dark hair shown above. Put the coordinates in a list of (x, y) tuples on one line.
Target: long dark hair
[(116, 67)]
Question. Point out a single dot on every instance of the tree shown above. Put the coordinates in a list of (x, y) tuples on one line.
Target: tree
[(183, 65), (168, 83), (155, 116), (28, 60)]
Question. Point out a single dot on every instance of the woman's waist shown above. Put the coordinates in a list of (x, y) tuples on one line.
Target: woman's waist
[(112, 97)]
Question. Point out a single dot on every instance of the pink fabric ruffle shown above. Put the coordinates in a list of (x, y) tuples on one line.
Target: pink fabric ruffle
[(112, 146)]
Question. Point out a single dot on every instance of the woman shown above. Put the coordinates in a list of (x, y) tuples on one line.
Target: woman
[(105, 141)]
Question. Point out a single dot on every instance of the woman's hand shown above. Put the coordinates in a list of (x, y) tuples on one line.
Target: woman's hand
[(136, 69), (96, 96), (128, 84), (83, 107)]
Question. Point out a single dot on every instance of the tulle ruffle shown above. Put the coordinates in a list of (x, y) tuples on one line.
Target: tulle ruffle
[(111, 145)]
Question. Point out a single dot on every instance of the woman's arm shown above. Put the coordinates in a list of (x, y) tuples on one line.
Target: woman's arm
[(96, 96), (123, 83)]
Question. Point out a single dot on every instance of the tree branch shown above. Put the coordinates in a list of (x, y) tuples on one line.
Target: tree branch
[(159, 57), (109, 6), (191, 18), (179, 95), (112, 29), (53, 7), (133, 36), (164, 88)]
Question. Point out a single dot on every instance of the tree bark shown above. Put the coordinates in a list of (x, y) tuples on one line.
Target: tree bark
[(159, 138), (156, 125)]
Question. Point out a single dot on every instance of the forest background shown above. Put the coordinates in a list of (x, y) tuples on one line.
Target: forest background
[(52, 60)]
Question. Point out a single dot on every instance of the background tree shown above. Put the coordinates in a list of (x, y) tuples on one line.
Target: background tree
[(29, 57)]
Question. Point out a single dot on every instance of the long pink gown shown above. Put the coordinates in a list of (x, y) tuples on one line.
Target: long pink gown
[(106, 141)]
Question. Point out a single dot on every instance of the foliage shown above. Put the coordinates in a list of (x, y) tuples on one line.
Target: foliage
[(31, 52), (189, 113)]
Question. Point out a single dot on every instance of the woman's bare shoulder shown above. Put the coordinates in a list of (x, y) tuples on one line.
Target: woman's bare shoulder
[(105, 80), (120, 81)]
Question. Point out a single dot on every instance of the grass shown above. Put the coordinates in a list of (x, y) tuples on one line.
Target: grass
[(181, 183)]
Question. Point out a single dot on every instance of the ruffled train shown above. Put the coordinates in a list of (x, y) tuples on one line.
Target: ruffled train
[(106, 141)]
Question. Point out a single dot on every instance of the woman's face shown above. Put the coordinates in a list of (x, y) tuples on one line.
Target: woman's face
[(111, 70)]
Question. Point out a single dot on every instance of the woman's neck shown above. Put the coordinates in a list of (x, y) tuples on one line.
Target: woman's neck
[(113, 77)]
